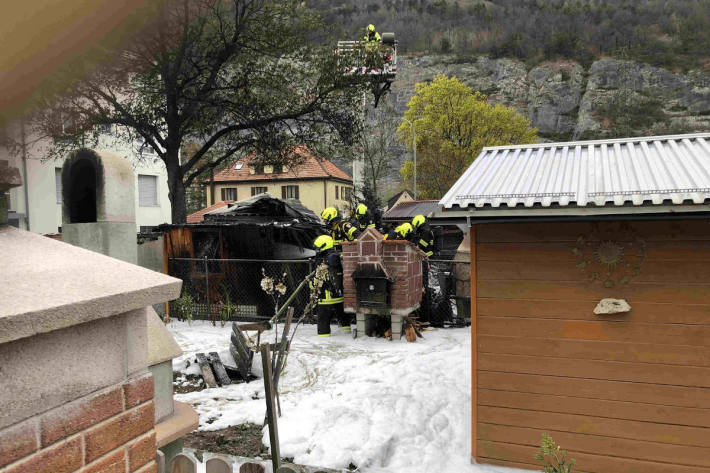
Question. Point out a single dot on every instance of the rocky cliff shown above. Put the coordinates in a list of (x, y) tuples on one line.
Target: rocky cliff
[(564, 101)]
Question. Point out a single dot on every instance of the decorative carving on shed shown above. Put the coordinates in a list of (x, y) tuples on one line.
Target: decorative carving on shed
[(611, 253)]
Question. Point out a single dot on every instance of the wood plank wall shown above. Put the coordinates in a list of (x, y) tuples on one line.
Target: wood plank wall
[(623, 393)]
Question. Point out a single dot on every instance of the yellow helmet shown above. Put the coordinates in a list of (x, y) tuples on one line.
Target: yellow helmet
[(370, 27), (404, 229), (328, 214), (418, 221), (361, 209), (323, 242)]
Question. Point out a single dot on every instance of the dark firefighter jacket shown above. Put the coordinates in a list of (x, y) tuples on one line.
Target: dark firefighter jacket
[(343, 231), (362, 223), (423, 237), (332, 290)]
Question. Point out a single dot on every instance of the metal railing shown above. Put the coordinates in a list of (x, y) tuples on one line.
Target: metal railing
[(359, 58)]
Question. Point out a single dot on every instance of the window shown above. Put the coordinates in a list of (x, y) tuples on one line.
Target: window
[(342, 192), (289, 192), (106, 129), (143, 147), (58, 183), (239, 165), (348, 193), (229, 193), (336, 192), (147, 190), (258, 190), (278, 168)]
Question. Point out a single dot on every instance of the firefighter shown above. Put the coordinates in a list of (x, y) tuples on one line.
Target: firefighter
[(372, 37), (362, 219), (422, 236), (400, 232), (339, 231), (330, 299)]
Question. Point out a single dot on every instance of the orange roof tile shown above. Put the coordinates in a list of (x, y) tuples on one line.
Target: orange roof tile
[(199, 216), (311, 168)]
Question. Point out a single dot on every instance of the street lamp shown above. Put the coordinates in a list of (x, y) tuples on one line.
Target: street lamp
[(414, 146)]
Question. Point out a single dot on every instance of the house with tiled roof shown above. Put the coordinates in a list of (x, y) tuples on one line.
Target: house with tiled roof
[(317, 183), (197, 217)]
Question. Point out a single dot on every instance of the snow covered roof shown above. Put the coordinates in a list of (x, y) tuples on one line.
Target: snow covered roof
[(648, 171)]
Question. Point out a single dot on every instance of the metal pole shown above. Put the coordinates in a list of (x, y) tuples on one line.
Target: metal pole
[(415, 161), (414, 148), (207, 284)]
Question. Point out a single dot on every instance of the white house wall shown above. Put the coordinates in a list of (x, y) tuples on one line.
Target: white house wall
[(45, 214)]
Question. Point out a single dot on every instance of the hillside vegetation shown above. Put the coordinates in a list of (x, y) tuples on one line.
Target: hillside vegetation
[(673, 34)]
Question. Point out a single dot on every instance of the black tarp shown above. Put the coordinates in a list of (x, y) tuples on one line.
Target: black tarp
[(259, 227)]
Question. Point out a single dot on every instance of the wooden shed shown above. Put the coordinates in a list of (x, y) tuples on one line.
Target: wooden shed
[(554, 229)]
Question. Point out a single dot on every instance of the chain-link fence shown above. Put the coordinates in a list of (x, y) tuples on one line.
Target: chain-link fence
[(230, 289), (447, 300)]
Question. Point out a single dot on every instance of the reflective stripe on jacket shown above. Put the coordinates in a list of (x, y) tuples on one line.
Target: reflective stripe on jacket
[(332, 290)]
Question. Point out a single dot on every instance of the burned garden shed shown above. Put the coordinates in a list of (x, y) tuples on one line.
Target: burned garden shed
[(590, 302), (221, 259)]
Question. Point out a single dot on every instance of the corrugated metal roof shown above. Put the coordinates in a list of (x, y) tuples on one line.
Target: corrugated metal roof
[(409, 209), (659, 170)]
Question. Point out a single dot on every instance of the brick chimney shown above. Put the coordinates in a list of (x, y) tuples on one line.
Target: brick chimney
[(399, 260)]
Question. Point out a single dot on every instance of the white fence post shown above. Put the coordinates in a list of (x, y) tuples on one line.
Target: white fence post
[(218, 465), (160, 461), (183, 464)]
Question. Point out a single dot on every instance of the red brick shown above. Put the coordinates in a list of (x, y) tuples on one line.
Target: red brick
[(114, 463), (63, 457), (118, 431), (367, 248), (77, 416), (138, 391), (141, 452), (149, 468), (17, 442)]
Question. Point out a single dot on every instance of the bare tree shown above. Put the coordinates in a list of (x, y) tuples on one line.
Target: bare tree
[(233, 76), (380, 146)]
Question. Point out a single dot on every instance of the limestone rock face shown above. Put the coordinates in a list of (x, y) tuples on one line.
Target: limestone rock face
[(561, 98), (611, 306), (555, 91)]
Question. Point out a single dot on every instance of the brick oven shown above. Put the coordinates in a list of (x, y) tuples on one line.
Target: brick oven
[(381, 279)]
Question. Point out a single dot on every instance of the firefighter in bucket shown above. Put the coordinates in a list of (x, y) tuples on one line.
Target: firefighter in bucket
[(330, 299)]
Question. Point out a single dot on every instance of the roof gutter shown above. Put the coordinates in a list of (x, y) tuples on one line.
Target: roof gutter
[(467, 221)]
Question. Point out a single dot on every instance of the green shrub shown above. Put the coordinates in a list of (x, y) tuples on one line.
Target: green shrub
[(554, 459), (184, 306), (226, 310)]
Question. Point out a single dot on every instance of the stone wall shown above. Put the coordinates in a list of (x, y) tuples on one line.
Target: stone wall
[(111, 430)]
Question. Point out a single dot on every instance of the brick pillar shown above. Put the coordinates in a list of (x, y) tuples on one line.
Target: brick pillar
[(109, 431)]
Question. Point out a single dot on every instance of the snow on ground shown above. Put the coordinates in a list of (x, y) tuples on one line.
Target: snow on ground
[(386, 406)]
